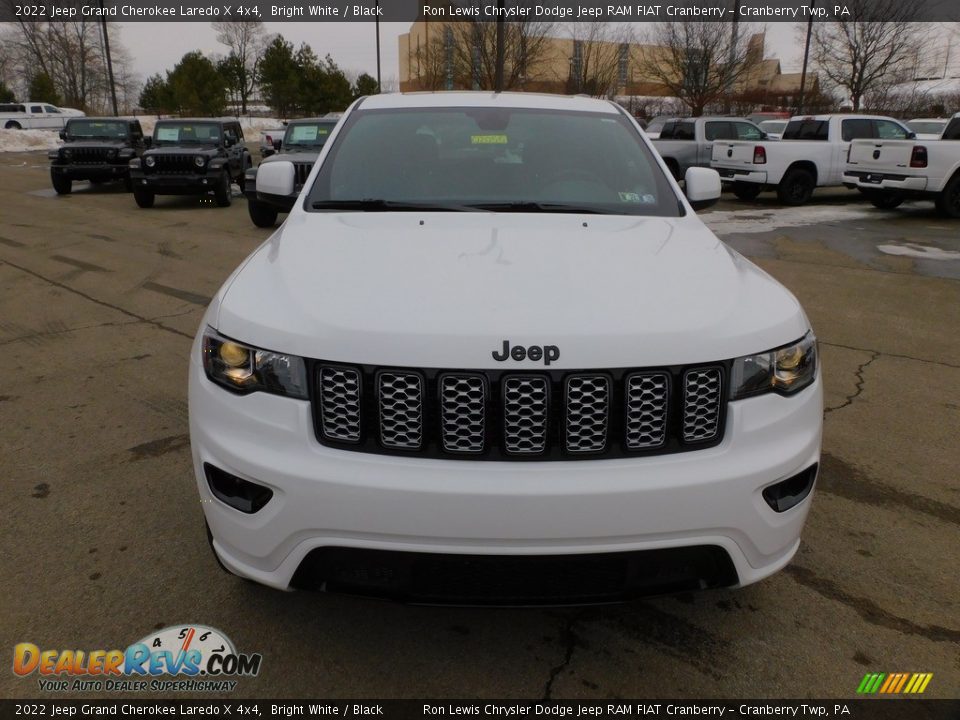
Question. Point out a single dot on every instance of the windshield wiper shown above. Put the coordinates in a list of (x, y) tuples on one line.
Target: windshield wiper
[(380, 205), (531, 206)]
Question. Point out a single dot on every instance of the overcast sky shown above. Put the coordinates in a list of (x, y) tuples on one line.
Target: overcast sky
[(158, 46)]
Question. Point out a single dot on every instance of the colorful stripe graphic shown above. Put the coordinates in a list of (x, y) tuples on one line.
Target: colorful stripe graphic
[(894, 683)]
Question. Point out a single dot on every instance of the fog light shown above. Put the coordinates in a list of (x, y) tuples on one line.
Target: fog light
[(240, 494), (790, 492)]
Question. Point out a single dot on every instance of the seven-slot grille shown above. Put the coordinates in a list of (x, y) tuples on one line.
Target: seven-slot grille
[(175, 163), (302, 170), (497, 415), (90, 156)]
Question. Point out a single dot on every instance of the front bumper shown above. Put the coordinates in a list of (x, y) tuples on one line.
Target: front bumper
[(91, 170), (740, 174), (329, 498), (284, 203), (885, 182), (175, 184)]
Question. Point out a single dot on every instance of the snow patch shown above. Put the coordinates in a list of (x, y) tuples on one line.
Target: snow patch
[(924, 252), (756, 220)]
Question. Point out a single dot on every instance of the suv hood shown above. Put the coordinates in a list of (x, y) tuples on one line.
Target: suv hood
[(446, 290), (95, 144), (293, 156), (183, 150)]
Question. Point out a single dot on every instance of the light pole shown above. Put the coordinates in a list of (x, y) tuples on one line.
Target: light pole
[(106, 51), (806, 57), (377, 21), (498, 78)]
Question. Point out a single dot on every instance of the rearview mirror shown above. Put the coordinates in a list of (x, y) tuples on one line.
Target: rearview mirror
[(703, 187), (279, 178), (63, 135), (277, 144)]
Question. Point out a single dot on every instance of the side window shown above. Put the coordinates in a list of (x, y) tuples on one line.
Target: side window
[(717, 131), (746, 131), (952, 131), (230, 134), (51, 109), (36, 109), (888, 130), (667, 132), (856, 129), (239, 132), (684, 131)]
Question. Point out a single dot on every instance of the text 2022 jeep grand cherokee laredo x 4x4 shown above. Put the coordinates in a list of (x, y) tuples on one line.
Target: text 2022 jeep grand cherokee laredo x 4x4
[(191, 157), (493, 356)]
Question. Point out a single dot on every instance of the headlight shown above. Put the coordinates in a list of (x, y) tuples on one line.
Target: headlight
[(784, 370), (149, 161), (200, 161), (247, 369)]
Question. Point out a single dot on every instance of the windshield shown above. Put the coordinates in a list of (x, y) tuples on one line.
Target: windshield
[(773, 126), (186, 133), (505, 159), (927, 127), (97, 129), (308, 134)]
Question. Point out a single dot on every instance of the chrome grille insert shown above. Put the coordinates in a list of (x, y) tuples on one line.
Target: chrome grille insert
[(647, 401), (701, 404), (302, 171), (525, 414), (463, 412), (588, 410), (340, 403), (401, 410)]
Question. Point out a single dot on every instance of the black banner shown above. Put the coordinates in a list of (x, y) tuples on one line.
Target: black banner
[(872, 709), (481, 10)]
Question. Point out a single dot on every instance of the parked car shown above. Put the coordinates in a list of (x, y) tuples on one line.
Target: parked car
[(35, 116), (891, 171), (811, 153), (494, 356), (95, 149), (773, 128), (687, 143), (655, 125), (189, 157), (269, 140), (302, 143), (928, 128)]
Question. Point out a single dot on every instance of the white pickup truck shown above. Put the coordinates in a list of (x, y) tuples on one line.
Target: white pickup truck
[(891, 171), (812, 153), (35, 116)]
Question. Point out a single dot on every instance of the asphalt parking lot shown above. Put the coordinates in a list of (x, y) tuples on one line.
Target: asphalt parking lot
[(103, 535)]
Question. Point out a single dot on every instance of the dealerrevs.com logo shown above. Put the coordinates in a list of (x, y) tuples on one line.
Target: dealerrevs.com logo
[(179, 658)]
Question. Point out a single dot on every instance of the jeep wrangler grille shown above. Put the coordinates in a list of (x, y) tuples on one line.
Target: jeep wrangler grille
[(509, 415)]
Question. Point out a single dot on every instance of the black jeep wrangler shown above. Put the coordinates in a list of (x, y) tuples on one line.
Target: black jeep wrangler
[(301, 144), (190, 157), (95, 149)]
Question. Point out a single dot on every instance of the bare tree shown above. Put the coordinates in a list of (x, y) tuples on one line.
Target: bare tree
[(600, 61), (247, 41), (876, 43), (697, 61), (474, 52)]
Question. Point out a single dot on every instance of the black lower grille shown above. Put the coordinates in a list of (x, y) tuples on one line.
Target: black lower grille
[(514, 579), (537, 415)]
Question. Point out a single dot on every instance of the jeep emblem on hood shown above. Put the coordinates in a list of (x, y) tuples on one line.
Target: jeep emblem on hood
[(547, 353)]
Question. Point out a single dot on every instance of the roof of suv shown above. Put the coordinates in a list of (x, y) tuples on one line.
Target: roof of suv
[(489, 99)]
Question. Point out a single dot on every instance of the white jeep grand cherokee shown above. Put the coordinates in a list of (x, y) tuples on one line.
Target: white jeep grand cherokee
[(493, 356)]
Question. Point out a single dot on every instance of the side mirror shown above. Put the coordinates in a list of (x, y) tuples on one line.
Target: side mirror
[(277, 144), (703, 187), (911, 136), (63, 135), (148, 142), (279, 178)]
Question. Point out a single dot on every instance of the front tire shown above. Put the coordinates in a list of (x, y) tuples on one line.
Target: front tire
[(747, 191), (144, 198), (262, 215), (796, 188), (223, 193), (948, 201), (63, 185)]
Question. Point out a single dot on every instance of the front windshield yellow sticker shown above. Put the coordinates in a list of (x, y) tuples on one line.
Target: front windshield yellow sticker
[(488, 139)]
